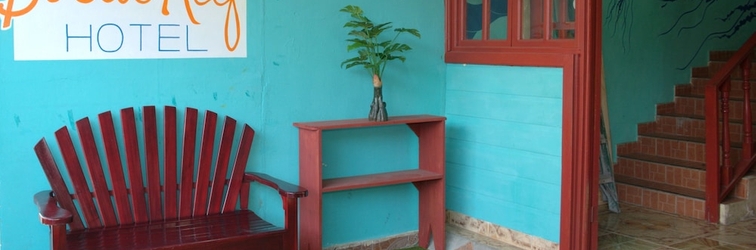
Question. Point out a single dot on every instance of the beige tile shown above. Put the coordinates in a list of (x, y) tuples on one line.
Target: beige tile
[(735, 236), (704, 243)]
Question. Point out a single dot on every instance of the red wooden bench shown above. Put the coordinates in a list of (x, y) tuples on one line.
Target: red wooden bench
[(139, 191)]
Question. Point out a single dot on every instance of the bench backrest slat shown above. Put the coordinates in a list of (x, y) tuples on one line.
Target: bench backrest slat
[(141, 176), (237, 175), (134, 165), (78, 181), (205, 160), (219, 177), (115, 168), (187, 164), (170, 162), (152, 163), (96, 175)]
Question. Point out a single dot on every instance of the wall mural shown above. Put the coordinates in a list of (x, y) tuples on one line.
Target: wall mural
[(738, 17), (619, 16), (619, 20)]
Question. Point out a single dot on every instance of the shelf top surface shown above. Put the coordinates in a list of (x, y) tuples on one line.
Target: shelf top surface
[(360, 123)]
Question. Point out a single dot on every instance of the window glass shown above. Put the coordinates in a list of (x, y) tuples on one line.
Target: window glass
[(563, 19), (474, 11), (498, 26), (532, 19)]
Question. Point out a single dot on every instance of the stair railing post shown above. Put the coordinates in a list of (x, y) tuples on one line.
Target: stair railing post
[(713, 173), (747, 123), (726, 145)]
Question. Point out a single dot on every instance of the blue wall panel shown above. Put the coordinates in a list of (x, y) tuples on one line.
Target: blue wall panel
[(504, 134)]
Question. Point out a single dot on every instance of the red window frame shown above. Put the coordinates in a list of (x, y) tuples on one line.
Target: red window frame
[(512, 51)]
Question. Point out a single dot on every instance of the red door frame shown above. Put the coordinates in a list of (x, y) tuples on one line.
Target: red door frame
[(580, 60)]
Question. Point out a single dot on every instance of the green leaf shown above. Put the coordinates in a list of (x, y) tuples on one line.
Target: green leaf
[(357, 63), (356, 43), (373, 50), (414, 32), (359, 33)]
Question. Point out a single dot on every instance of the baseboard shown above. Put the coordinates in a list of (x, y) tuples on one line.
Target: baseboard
[(460, 221), (399, 241), (498, 233)]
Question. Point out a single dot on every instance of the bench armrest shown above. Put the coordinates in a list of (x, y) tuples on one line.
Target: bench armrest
[(49, 212), (284, 188)]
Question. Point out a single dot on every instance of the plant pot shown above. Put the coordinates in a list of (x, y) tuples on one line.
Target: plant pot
[(378, 106)]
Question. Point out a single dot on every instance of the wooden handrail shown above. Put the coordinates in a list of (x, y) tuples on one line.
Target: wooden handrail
[(721, 175)]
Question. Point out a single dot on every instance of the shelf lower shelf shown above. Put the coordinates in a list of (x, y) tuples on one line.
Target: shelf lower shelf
[(382, 179)]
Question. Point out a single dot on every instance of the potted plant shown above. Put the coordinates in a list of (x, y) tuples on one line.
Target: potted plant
[(373, 53)]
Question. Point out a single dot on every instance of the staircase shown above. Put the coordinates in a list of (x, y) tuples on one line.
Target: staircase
[(665, 169)]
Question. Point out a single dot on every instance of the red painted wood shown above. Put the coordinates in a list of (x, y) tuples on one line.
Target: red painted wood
[(713, 172), (187, 163), (205, 160), (745, 67), (96, 175), (231, 229), (285, 189), (428, 178), (459, 49), (310, 176), (134, 165), (362, 123), (49, 212), (152, 162), (78, 181), (432, 158), (726, 148), (171, 160), (237, 173), (715, 190), (377, 180), (236, 230), (221, 166), (244, 195), (115, 168), (56, 181)]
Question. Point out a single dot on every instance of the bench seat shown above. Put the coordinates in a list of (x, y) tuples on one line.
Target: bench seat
[(195, 233)]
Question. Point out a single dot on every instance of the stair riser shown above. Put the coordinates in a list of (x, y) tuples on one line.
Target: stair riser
[(681, 150), (662, 201), (684, 126), (695, 106), (673, 175), (698, 88)]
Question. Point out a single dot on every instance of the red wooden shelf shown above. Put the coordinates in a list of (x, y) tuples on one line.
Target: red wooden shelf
[(362, 123), (428, 178), (382, 179)]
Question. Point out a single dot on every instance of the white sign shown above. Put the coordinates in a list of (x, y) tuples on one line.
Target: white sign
[(125, 29)]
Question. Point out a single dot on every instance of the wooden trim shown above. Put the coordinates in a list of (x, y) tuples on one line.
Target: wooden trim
[(580, 59)]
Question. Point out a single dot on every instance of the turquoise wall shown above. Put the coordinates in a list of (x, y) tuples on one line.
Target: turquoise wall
[(650, 46), (292, 73), (504, 152)]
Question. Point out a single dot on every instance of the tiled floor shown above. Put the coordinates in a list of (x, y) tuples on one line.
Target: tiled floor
[(639, 228)]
